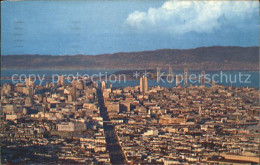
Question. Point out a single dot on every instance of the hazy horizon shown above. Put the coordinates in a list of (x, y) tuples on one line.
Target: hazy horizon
[(128, 52)]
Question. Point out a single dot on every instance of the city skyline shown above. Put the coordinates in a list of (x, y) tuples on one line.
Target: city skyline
[(129, 82), (79, 123)]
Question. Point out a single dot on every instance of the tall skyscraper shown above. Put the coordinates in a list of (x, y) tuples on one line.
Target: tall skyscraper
[(47, 85), (29, 82), (185, 76), (60, 80), (30, 91), (158, 73), (170, 74), (202, 78), (103, 85), (95, 85), (178, 81), (143, 84), (73, 93), (213, 84)]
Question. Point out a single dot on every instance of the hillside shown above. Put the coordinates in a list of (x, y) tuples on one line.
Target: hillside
[(208, 58)]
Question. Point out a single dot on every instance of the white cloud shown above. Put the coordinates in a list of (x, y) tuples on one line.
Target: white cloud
[(185, 16)]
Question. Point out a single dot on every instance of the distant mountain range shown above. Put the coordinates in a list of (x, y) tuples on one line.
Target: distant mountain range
[(206, 58)]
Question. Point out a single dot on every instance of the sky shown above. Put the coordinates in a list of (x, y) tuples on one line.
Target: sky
[(99, 27)]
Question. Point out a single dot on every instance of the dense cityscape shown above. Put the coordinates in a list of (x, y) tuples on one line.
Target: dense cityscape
[(149, 82), (95, 123)]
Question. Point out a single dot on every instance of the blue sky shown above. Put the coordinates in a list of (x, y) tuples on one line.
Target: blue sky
[(97, 27)]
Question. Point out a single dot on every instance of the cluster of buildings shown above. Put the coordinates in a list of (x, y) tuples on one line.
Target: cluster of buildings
[(55, 123), (59, 123), (196, 124)]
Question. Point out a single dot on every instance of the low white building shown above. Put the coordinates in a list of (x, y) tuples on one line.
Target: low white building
[(71, 126)]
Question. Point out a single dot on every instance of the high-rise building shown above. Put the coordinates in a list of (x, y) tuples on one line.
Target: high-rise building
[(60, 80), (185, 76), (28, 102), (103, 85), (213, 84), (178, 80), (9, 88), (73, 93), (47, 85), (158, 73), (202, 78), (80, 84), (170, 75), (143, 84), (30, 91), (29, 82), (95, 85)]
